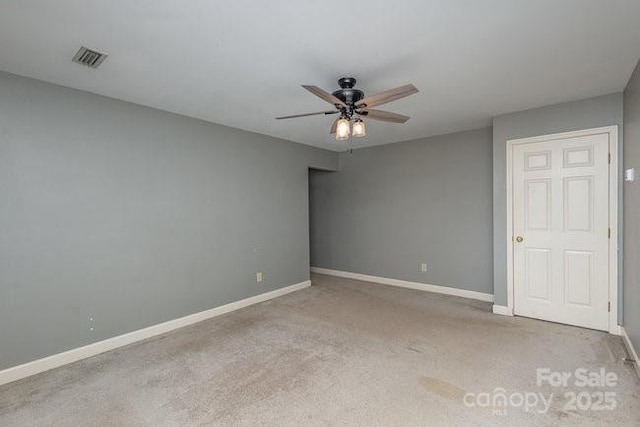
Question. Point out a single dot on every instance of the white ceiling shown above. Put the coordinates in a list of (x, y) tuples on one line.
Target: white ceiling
[(241, 63)]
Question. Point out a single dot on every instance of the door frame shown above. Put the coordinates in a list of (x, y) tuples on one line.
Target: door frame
[(612, 132)]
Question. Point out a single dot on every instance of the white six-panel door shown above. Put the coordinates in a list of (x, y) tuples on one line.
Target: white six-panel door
[(561, 230)]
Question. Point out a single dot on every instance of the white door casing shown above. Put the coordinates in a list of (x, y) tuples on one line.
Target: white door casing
[(562, 200)]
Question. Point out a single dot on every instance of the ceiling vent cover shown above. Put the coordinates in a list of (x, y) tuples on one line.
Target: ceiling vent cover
[(88, 57)]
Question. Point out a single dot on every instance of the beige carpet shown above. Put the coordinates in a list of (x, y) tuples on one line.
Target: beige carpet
[(342, 352)]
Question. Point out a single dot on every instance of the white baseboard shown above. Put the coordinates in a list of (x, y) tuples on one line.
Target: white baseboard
[(40, 365), (502, 310), (446, 290), (633, 354)]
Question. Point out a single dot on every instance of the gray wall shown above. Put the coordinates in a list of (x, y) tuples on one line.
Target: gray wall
[(589, 113), (389, 208), (135, 216), (632, 210)]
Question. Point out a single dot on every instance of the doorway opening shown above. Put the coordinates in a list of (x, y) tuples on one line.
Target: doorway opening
[(319, 217)]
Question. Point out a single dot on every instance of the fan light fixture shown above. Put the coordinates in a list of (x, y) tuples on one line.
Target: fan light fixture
[(351, 106), (358, 129), (342, 129)]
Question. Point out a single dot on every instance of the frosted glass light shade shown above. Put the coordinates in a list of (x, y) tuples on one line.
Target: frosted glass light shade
[(358, 129), (342, 129)]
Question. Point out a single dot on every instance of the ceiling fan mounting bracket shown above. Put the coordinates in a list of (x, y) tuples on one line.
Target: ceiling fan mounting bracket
[(347, 82)]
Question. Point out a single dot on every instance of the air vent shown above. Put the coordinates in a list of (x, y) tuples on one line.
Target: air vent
[(88, 57)]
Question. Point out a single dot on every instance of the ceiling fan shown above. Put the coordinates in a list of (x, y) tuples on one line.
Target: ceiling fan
[(354, 106)]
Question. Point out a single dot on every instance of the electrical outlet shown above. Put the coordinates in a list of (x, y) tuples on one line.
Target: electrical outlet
[(259, 276), (91, 323), (423, 267)]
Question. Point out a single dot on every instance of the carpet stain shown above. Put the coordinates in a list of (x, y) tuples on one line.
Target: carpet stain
[(415, 346), (442, 388)]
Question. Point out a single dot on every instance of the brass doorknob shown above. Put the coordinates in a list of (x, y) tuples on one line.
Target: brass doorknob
[(519, 239)]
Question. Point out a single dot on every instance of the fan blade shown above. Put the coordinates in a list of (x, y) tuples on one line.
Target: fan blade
[(324, 95), (334, 126), (306, 114), (387, 96), (384, 116)]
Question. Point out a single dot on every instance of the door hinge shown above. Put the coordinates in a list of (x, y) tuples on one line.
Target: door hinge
[(609, 232), (609, 307), (609, 158)]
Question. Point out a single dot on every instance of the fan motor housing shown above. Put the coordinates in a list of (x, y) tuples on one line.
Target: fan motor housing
[(348, 94)]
